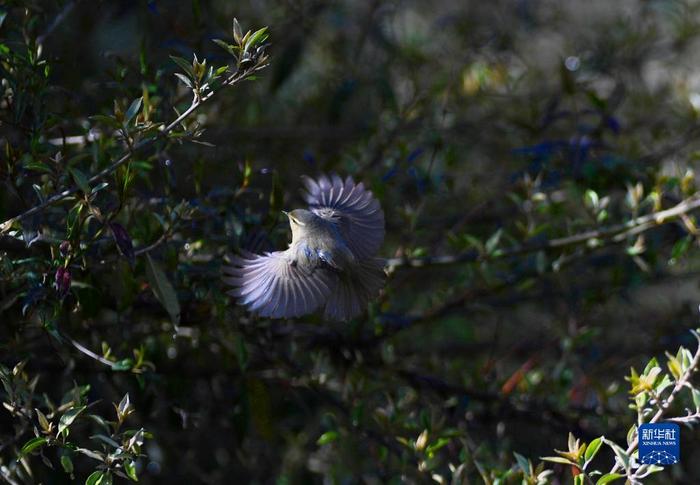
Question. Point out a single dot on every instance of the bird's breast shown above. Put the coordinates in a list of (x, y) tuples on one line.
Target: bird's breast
[(313, 252)]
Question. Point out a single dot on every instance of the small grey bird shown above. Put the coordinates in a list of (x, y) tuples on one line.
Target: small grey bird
[(331, 262)]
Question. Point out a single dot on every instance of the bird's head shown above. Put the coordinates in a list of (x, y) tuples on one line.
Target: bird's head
[(301, 221)]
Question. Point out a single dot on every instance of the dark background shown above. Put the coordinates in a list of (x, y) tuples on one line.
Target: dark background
[(459, 116)]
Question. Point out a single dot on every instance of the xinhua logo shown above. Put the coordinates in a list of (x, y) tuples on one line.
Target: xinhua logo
[(659, 444)]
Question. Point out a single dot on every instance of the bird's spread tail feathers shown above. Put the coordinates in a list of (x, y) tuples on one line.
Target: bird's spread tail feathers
[(354, 289)]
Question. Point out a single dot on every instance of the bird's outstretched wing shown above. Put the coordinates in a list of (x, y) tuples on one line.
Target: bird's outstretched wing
[(353, 208), (273, 286)]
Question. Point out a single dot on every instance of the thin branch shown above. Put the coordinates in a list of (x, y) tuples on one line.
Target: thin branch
[(80, 347), (164, 237), (615, 233), (687, 419), (196, 103), (56, 21), (680, 384)]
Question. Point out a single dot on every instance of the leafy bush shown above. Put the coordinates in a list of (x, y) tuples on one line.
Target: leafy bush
[(536, 166)]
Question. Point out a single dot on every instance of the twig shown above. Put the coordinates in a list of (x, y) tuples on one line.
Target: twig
[(164, 237), (56, 21), (615, 233), (196, 103), (87, 351), (689, 418), (680, 384)]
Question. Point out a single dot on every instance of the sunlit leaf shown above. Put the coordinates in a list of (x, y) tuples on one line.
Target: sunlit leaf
[(68, 418), (592, 450), (33, 444), (607, 478), (133, 110), (327, 437)]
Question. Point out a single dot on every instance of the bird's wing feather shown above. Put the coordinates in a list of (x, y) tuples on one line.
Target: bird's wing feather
[(353, 208), (272, 286)]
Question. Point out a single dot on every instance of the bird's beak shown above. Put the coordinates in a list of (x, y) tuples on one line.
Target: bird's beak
[(285, 213)]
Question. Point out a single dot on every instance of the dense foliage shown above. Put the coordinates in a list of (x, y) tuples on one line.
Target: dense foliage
[(535, 161)]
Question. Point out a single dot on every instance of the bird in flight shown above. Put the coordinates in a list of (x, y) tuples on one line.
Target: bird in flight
[(331, 263)]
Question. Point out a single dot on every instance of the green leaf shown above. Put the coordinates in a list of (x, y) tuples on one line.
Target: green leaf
[(679, 249), (73, 220), (38, 192), (650, 365), (674, 366), (94, 478), (591, 199), (95, 455), (440, 443), (124, 405), (654, 469), (80, 180), (99, 420), (184, 64), (558, 459), (37, 166), (123, 365), (184, 79), (133, 110), (99, 478), (696, 398), (68, 418), (327, 437), (247, 173), (607, 478), (98, 187), (225, 46), (492, 242), (163, 289), (33, 444), (523, 463), (105, 439), (592, 450), (130, 469), (237, 31), (43, 422), (67, 464), (105, 120), (258, 37), (621, 454), (474, 242)]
